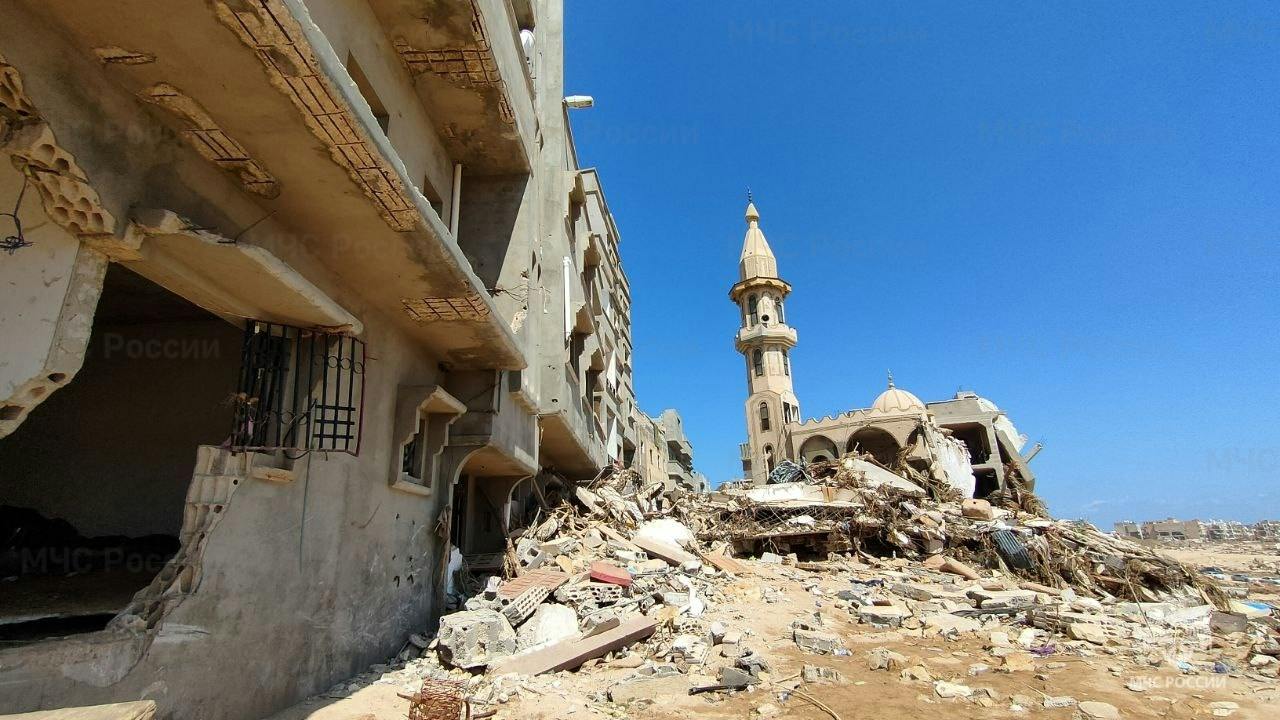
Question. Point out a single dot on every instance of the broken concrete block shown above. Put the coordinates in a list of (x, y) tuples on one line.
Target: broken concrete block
[(560, 546), (945, 689), (913, 591), (1225, 623), (946, 623), (609, 573), (650, 688), (1087, 632), (598, 622), (571, 653), (823, 643), (476, 638), (523, 605), (885, 659), (550, 622), (1002, 598), (817, 674), (883, 615), (1060, 701), (977, 509), (736, 677)]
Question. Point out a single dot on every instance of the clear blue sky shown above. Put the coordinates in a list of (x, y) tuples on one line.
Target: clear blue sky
[(1070, 208)]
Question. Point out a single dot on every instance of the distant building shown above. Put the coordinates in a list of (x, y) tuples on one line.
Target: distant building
[(1267, 530), (1128, 529), (1227, 530), (1170, 529), (663, 452)]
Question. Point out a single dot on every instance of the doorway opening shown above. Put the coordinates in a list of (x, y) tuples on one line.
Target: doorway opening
[(93, 484)]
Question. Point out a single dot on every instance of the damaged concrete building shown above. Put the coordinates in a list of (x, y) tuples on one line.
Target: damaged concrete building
[(966, 441), (663, 452), (303, 303)]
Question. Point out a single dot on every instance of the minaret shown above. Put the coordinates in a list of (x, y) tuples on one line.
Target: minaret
[(764, 341)]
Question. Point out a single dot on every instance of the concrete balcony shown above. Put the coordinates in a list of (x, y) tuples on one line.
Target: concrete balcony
[(756, 334), (469, 70), (265, 138)]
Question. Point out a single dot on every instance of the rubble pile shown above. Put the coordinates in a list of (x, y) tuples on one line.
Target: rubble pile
[(623, 576), (854, 505)]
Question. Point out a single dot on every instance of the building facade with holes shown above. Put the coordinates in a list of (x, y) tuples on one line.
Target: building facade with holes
[(303, 304), (967, 440)]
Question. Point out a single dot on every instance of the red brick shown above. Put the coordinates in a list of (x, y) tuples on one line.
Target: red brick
[(607, 573)]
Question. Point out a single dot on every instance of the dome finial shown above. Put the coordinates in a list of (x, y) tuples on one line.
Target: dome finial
[(890, 378), (753, 215)]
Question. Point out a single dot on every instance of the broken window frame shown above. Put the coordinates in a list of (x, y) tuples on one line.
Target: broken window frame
[(786, 364), (299, 389), (753, 310), (757, 362), (764, 416)]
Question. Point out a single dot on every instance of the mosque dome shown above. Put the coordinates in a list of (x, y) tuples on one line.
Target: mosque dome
[(896, 401)]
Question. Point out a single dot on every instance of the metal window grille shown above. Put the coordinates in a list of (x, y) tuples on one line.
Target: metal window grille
[(299, 389)]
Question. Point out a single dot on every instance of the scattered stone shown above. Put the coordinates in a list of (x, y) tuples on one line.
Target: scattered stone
[(1094, 710), (1087, 632), (883, 615), (768, 710), (823, 643), (946, 623), (978, 509), (1060, 701), (916, 673), (1018, 662), (885, 659), (549, 623), (945, 689), (1223, 708)]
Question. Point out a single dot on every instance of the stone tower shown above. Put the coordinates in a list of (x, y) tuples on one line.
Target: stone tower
[(764, 340)]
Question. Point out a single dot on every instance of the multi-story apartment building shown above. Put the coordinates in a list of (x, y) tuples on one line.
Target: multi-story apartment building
[(663, 452), (301, 298)]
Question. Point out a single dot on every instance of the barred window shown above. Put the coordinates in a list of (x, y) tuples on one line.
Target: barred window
[(299, 389)]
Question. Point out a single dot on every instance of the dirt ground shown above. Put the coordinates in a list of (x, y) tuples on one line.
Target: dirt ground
[(1100, 674)]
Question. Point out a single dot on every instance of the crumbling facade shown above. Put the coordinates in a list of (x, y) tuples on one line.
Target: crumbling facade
[(304, 303), (967, 441), (664, 454)]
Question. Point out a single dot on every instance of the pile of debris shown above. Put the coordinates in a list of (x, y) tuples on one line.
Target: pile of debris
[(609, 569), (856, 506), (622, 573)]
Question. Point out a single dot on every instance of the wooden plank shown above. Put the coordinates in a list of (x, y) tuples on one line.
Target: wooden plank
[(725, 563), (139, 710), (658, 549), (571, 653)]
